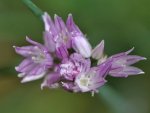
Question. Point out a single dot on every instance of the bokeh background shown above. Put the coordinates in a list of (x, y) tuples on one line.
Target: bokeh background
[(121, 23)]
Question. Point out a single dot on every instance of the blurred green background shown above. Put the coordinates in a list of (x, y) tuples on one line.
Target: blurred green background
[(121, 23)]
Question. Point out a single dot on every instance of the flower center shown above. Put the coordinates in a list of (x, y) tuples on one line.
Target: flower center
[(66, 69), (84, 81)]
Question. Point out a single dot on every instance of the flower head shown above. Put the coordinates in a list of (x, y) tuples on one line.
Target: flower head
[(66, 59)]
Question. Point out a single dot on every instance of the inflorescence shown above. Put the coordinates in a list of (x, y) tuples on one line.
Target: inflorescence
[(67, 60)]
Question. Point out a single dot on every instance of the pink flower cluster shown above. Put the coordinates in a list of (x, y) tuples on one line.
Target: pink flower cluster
[(67, 60)]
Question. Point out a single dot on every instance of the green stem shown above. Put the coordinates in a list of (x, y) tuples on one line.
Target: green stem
[(116, 102), (37, 11)]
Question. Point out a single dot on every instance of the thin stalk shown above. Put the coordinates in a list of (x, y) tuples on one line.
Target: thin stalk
[(115, 101), (36, 10)]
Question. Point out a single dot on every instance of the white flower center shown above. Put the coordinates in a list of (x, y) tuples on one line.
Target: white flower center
[(84, 81)]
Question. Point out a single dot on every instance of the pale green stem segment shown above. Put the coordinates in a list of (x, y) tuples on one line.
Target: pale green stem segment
[(115, 101), (37, 11)]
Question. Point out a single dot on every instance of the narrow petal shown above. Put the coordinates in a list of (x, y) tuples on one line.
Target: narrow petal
[(125, 72), (29, 78), (62, 52), (79, 43), (69, 86), (48, 22), (37, 70), (25, 63), (59, 23), (20, 75), (48, 62), (131, 59), (104, 68), (25, 50), (27, 69), (34, 43), (102, 59), (63, 31), (133, 70), (49, 42), (122, 54), (50, 80), (97, 52), (85, 64), (98, 84), (72, 27), (82, 46), (129, 51), (117, 72), (119, 62)]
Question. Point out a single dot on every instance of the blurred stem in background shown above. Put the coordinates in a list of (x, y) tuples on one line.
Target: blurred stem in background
[(116, 102), (37, 11)]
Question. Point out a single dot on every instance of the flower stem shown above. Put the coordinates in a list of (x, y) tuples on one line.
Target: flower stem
[(115, 102), (36, 10)]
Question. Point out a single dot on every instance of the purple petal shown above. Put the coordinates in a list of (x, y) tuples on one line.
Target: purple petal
[(25, 50), (97, 52), (24, 65), (62, 52), (63, 31), (34, 43), (37, 70), (50, 80), (29, 78), (133, 70), (69, 86), (98, 84), (48, 63), (59, 23), (131, 59), (76, 57), (49, 25), (79, 43), (97, 80), (119, 55), (72, 27), (49, 42), (125, 72), (104, 68), (82, 46), (85, 64), (119, 62)]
